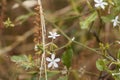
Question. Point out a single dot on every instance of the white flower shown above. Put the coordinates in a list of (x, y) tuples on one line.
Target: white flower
[(115, 21), (53, 35), (52, 61), (100, 3), (73, 39)]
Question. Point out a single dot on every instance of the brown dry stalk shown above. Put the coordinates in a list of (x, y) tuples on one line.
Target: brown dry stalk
[(38, 36), (43, 33)]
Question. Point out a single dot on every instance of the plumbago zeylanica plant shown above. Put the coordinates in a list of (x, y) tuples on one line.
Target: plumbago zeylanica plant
[(44, 63)]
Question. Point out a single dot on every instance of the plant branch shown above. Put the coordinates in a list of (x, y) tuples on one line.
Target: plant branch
[(43, 61)]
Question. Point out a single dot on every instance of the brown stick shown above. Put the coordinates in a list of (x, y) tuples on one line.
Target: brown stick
[(19, 40)]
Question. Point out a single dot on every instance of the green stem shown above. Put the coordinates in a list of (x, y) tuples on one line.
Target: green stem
[(63, 46), (69, 39), (83, 45), (74, 6), (89, 5)]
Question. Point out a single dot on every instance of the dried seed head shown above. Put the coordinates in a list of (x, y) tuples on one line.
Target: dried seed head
[(37, 35)]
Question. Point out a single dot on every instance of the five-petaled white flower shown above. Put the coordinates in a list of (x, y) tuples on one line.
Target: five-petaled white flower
[(53, 35), (115, 21), (52, 61), (100, 3)]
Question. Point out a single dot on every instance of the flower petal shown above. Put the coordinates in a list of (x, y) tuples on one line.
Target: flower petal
[(97, 1), (102, 6), (101, 0), (55, 65), (114, 24), (116, 18), (105, 3), (112, 20), (48, 59), (50, 36), (57, 35), (52, 56), (50, 64), (54, 37), (50, 33), (97, 5), (57, 60)]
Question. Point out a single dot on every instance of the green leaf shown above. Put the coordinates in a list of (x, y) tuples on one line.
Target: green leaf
[(23, 61), (100, 64), (34, 77), (19, 58), (67, 57), (85, 23), (116, 8), (51, 74)]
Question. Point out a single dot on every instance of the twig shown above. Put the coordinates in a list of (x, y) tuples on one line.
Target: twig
[(67, 8), (19, 40), (43, 61)]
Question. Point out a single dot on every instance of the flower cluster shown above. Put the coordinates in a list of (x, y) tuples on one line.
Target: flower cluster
[(53, 61), (101, 4)]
